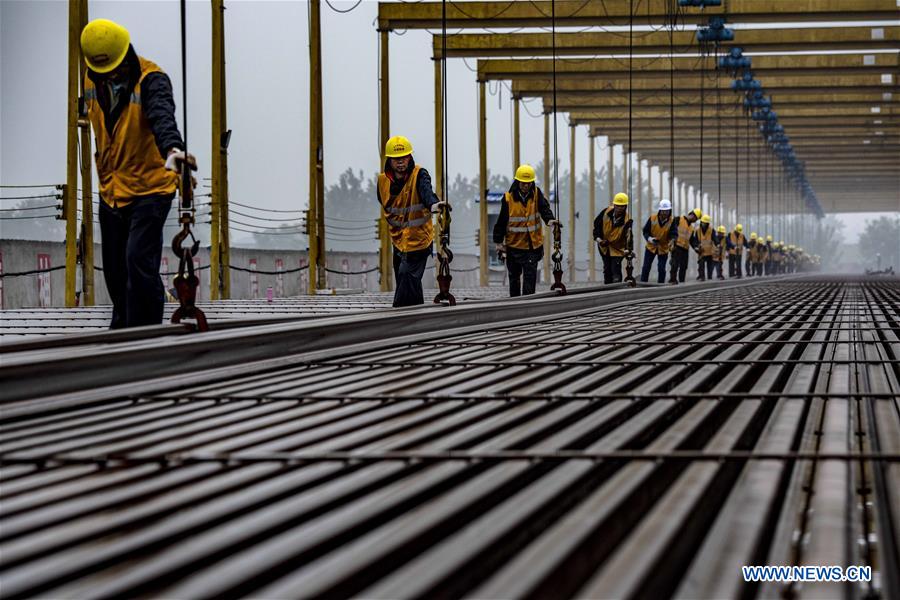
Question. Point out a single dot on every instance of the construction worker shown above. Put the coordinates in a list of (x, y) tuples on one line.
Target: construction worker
[(720, 251), (682, 232), (657, 232), (139, 155), (774, 258), (407, 201), (768, 255), (612, 232), (704, 241), (754, 256), (782, 257), (736, 242), (518, 233)]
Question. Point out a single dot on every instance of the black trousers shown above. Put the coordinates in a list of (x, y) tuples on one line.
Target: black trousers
[(522, 266), (409, 267), (706, 267), (612, 268), (735, 266), (679, 263), (661, 260), (717, 267), (132, 251), (758, 269)]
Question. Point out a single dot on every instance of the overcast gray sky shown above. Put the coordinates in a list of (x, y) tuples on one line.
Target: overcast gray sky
[(268, 97)]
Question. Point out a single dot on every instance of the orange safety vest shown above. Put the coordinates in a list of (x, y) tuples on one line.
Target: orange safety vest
[(524, 230), (129, 164), (408, 220), (737, 241), (720, 250), (707, 248), (685, 230), (661, 233), (616, 236), (755, 252)]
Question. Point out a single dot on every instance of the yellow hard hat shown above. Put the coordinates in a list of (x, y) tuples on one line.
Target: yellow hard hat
[(706, 219), (753, 236), (525, 174), (768, 238), (697, 212), (104, 45), (620, 199), (721, 229), (776, 245), (398, 147), (739, 228), (791, 246)]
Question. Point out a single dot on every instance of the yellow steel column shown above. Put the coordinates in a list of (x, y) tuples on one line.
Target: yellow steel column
[(438, 128), (639, 197), (517, 142), (71, 197), (548, 233), (216, 151), (316, 273), (483, 279), (592, 206), (611, 171), (385, 253), (572, 274), (222, 155), (87, 183)]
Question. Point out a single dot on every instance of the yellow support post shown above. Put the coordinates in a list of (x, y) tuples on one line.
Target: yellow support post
[(70, 203), (484, 279), (639, 198), (87, 183), (592, 207), (572, 273), (548, 233), (517, 141), (216, 153), (438, 129), (316, 272), (385, 254)]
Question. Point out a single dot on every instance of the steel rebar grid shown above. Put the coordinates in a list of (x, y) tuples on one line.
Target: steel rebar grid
[(699, 442)]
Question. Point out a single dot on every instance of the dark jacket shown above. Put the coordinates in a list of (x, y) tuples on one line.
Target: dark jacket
[(423, 184), (648, 235), (503, 220), (157, 103)]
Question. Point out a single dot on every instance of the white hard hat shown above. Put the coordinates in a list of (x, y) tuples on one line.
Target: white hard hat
[(665, 205)]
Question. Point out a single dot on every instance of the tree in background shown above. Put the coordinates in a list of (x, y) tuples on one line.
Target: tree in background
[(830, 241), (881, 236)]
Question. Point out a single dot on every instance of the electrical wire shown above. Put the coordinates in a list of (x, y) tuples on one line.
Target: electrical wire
[(343, 12)]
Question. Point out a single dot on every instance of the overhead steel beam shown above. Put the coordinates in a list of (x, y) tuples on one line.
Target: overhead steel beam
[(690, 83), (574, 13), (484, 45), (647, 68)]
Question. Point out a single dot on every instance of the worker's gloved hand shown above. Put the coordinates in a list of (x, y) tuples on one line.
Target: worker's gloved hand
[(177, 157), (554, 223), (603, 243), (501, 249), (439, 206), (652, 240)]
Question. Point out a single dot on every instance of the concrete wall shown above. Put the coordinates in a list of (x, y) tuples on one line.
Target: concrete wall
[(25, 291)]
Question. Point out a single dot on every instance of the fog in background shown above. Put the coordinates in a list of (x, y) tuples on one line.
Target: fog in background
[(268, 102)]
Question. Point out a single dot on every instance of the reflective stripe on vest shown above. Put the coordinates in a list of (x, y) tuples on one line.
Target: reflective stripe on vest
[(129, 164), (661, 233), (409, 222), (527, 233)]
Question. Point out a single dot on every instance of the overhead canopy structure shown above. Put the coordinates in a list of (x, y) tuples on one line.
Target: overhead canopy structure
[(658, 94)]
